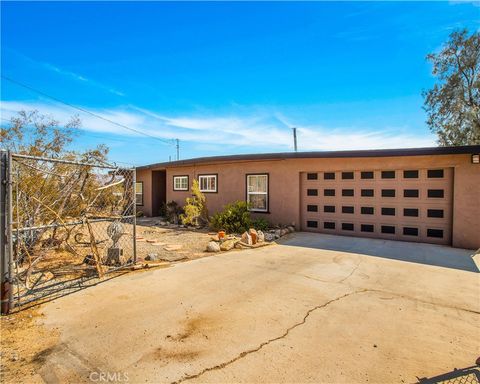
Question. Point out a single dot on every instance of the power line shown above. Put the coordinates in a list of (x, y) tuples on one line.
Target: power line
[(170, 142)]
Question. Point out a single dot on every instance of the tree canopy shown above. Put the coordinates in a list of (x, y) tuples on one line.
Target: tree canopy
[(453, 104)]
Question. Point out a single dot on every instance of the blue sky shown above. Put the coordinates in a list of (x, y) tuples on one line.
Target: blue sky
[(228, 77)]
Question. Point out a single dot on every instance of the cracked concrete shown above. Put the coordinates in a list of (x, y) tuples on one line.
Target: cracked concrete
[(286, 313)]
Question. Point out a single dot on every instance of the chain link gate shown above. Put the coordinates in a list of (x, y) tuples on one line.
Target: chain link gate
[(66, 223)]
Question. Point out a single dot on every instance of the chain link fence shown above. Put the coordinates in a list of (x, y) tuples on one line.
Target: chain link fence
[(66, 222), (469, 375)]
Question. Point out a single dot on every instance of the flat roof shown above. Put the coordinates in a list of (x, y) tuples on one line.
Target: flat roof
[(430, 151)]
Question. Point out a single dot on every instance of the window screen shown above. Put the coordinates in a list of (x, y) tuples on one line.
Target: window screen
[(329, 176), (329, 192), (312, 192), (388, 192), (257, 192), (366, 175), (312, 208), (347, 175), (347, 192), (410, 174), (367, 193)]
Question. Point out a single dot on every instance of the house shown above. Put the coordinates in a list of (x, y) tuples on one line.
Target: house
[(427, 195)]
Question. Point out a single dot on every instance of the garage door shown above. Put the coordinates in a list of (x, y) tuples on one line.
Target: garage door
[(397, 204)]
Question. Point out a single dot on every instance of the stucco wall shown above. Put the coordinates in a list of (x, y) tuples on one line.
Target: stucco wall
[(145, 176), (284, 186)]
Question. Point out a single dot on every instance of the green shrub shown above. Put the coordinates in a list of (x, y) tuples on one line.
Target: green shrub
[(195, 208), (260, 224), (173, 212), (235, 218)]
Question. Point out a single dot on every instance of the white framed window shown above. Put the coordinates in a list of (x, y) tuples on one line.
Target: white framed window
[(257, 192), (139, 192), (207, 183), (180, 183)]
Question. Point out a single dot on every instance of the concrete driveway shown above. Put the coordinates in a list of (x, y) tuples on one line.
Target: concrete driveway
[(312, 309)]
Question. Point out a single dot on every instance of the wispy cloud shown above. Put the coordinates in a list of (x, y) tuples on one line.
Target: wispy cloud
[(252, 133), (64, 72)]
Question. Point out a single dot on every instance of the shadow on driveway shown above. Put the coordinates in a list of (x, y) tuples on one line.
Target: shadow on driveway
[(430, 254)]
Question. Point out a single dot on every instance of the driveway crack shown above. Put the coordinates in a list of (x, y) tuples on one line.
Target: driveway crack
[(265, 343)]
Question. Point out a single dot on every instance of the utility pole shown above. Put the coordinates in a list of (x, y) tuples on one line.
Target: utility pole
[(178, 149), (295, 139)]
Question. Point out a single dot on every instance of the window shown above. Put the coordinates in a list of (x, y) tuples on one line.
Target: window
[(410, 231), (329, 208), (366, 228), (347, 192), (435, 173), (410, 174), (388, 192), (412, 212), (410, 193), (347, 226), (139, 193), (257, 192), (312, 192), (366, 210), (312, 208), (312, 224), (366, 175), (367, 193), (388, 174), (207, 183), (438, 213), (435, 233), (329, 225), (435, 193), (348, 209), (388, 211), (347, 175), (180, 183), (388, 229), (329, 176), (328, 192), (312, 176)]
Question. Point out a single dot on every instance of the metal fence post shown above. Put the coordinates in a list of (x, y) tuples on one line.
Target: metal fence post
[(134, 186), (5, 232)]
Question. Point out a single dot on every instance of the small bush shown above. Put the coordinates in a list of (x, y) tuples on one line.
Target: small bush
[(173, 212), (260, 224), (195, 208), (235, 218)]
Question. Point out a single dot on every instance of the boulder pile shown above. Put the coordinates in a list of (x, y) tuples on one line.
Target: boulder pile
[(249, 239)]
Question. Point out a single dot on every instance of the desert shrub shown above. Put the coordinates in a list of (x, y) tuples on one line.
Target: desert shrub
[(260, 224), (195, 209), (162, 211), (235, 218), (173, 212)]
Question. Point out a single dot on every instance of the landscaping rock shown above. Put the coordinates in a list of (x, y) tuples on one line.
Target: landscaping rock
[(278, 233), (151, 257), (228, 244), (213, 246), (291, 228), (261, 236), (283, 231), (269, 236), (173, 247), (246, 238), (253, 233)]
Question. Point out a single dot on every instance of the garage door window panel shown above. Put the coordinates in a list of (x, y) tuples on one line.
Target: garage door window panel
[(257, 192)]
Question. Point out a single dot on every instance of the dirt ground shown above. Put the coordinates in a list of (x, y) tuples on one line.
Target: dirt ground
[(311, 309)]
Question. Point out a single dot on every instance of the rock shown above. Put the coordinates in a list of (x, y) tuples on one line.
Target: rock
[(283, 231), (215, 238), (151, 257), (261, 236), (228, 244), (163, 223), (291, 228), (246, 238), (269, 236), (213, 246), (252, 232), (278, 233), (173, 247)]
